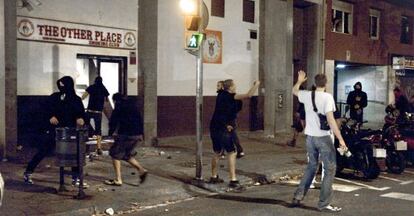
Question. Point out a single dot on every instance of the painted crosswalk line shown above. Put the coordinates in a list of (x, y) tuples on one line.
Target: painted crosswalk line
[(363, 185), (335, 186), (396, 180), (409, 172), (401, 196)]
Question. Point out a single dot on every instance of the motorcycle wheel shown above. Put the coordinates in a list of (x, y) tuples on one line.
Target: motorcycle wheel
[(340, 164), (370, 170), (395, 162)]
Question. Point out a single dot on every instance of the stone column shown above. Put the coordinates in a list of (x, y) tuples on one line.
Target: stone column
[(8, 76), (315, 45), (148, 65), (276, 60), (2, 85)]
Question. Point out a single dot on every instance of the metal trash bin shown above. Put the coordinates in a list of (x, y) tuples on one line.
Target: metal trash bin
[(66, 146), (70, 152)]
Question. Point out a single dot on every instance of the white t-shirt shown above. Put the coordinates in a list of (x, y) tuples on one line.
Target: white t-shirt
[(324, 102)]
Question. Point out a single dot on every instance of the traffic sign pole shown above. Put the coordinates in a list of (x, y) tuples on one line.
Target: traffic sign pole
[(199, 102)]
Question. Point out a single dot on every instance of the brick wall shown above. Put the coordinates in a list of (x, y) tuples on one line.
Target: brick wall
[(362, 48)]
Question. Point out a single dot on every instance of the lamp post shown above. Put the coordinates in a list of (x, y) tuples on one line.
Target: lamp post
[(191, 8)]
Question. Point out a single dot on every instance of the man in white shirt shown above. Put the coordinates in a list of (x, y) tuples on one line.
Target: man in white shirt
[(318, 142)]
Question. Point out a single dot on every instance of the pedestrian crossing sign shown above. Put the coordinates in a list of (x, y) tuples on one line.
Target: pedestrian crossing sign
[(193, 40)]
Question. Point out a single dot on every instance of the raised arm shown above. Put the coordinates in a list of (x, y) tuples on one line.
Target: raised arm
[(250, 93), (301, 79)]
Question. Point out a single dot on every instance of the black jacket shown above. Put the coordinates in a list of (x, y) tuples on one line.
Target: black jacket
[(126, 119), (225, 112), (65, 105)]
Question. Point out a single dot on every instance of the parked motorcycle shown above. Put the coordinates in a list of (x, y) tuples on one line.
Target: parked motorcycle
[(360, 143), (393, 142), (406, 128)]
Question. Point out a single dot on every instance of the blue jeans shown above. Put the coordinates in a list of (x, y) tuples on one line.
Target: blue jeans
[(324, 148)]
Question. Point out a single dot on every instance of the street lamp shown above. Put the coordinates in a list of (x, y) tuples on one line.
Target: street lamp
[(196, 9), (189, 7)]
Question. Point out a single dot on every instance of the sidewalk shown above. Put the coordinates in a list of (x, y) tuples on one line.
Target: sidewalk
[(171, 166)]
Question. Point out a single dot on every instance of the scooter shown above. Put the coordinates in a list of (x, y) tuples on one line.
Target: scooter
[(360, 143)]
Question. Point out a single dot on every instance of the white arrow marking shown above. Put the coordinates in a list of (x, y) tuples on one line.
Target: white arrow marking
[(402, 196), (396, 180)]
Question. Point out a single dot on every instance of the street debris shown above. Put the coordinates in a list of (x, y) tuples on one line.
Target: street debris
[(109, 211), (169, 157), (102, 189), (284, 178), (161, 153), (166, 210), (19, 147)]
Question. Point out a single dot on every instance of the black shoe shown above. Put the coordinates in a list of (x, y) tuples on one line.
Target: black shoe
[(143, 177), (215, 180), (292, 143), (27, 177), (99, 152), (295, 203), (240, 155), (236, 186)]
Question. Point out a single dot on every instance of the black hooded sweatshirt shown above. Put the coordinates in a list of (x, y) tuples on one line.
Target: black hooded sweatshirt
[(357, 97), (65, 105)]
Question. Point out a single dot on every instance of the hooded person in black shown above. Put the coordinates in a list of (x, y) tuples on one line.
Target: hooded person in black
[(98, 94), (357, 101), (63, 109), (126, 121)]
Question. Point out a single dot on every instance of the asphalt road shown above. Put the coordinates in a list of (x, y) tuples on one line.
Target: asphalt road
[(390, 194)]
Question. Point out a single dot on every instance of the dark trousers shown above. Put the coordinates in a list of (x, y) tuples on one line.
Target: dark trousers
[(46, 146), (97, 118)]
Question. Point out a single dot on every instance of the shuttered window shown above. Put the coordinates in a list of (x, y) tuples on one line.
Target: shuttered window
[(217, 8), (248, 11)]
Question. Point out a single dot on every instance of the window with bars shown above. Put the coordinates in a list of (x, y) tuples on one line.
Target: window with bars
[(248, 11), (342, 18), (217, 8), (406, 31), (374, 24)]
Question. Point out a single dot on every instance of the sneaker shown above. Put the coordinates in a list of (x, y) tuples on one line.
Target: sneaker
[(27, 178), (240, 155), (76, 182), (236, 186), (215, 180), (292, 143), (99, 152), (295, 203), (143, 177), (331, 208)]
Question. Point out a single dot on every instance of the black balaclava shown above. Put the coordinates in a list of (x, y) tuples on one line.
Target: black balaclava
[(98, 80), (68, 87), (359, 84)]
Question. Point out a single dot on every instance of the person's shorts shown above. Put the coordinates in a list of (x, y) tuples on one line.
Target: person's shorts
[(222, 141), (124, 147)]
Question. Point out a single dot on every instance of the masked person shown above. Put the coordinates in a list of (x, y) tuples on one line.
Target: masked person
[(98, 95), (357, 101), (64, 109), (127, 123)]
